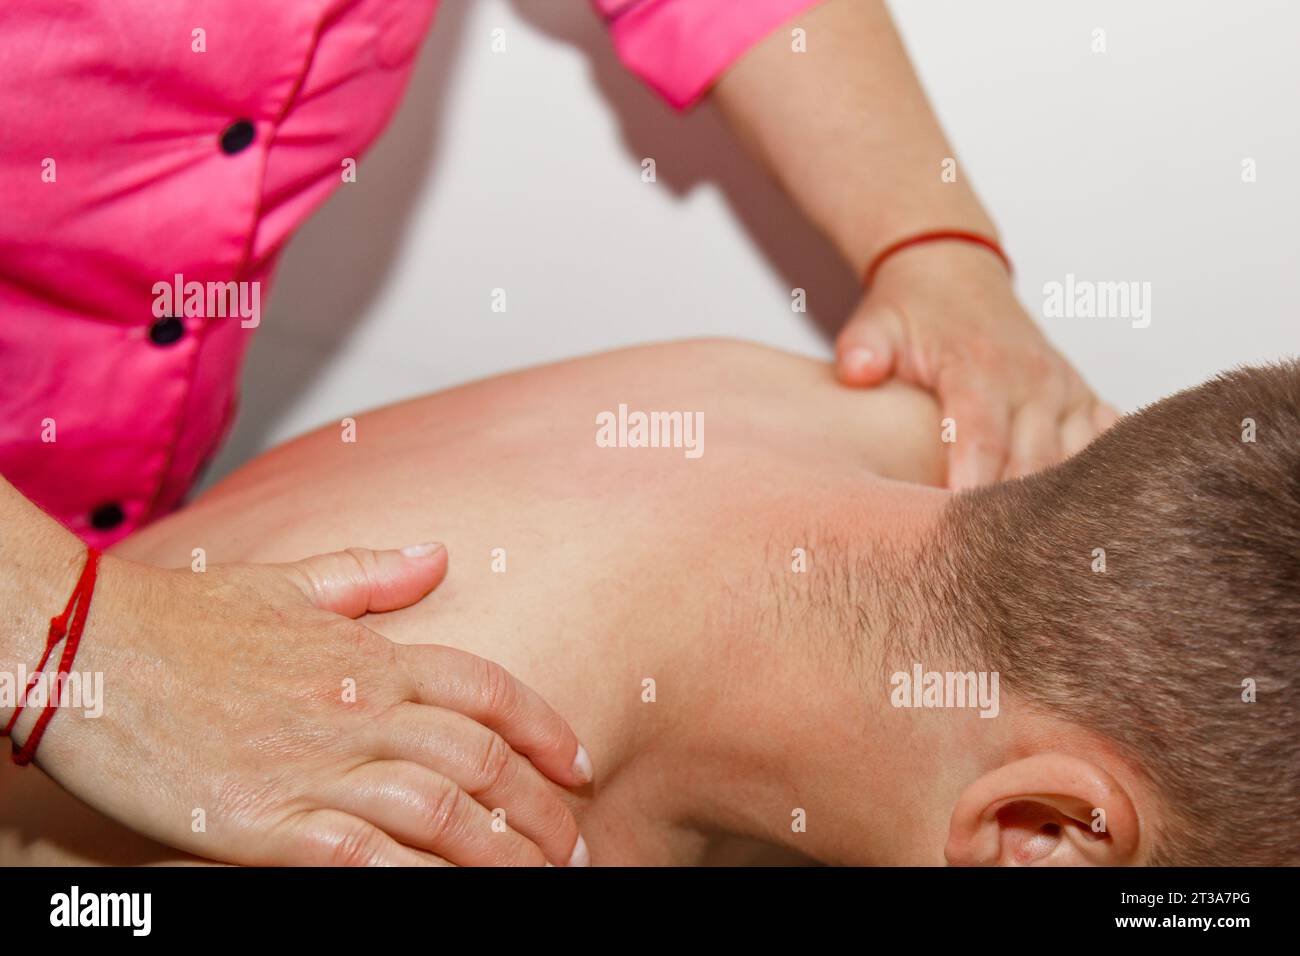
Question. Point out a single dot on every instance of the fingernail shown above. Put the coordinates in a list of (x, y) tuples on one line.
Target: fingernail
[(580, 856), (582, 765), (856, 360), (422, 550)]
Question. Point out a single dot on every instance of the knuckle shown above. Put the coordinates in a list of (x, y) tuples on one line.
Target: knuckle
[(354, 667), (364, 559), (443, 806), (968, 398), (496, 766), (987, 444), (357, 844), (370, 646), (985, 355), (976, 424), (499, 691), (551, 733), (360, 648), (556, 823)]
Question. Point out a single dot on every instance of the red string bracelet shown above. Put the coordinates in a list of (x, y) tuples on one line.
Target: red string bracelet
[(936, 235), (78, 607)]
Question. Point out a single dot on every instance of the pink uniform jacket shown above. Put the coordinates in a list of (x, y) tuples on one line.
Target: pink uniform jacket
[(141, 140)]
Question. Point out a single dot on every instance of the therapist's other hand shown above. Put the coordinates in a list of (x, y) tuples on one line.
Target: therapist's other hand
[(944, 316), (247, 719)]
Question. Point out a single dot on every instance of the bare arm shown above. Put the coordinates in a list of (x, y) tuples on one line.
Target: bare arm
[(847, 130)]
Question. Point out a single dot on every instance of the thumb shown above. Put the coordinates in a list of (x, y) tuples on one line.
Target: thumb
[(358, 580), (868, 346)]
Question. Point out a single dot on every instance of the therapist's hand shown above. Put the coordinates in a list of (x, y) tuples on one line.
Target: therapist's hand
[(248, 719), (844, 126), (944, 316)]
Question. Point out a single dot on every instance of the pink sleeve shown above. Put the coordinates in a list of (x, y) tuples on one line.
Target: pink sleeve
[(680, 47)]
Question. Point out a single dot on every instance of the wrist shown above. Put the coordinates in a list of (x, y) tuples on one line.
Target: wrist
[(913, 215), (949, 259), (37, 575)]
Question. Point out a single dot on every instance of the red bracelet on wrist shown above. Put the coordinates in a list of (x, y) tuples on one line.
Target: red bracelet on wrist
[(78, 607), (936, 235)]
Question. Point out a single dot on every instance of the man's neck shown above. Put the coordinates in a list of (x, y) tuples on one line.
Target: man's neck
[(782, 728)]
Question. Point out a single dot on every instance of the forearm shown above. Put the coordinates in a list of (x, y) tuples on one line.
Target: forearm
[(39, 564), (847, 130)]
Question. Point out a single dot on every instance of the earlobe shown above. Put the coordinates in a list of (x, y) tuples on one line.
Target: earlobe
[(1050, 809)]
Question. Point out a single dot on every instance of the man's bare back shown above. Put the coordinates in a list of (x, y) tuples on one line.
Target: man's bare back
[(573, 564)]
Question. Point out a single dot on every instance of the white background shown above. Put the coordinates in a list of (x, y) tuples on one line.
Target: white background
[(521, 170)]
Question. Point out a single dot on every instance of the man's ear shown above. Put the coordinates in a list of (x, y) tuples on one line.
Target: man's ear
[(1046, 810)]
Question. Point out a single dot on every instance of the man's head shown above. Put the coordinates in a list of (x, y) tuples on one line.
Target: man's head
[(1147, 591)]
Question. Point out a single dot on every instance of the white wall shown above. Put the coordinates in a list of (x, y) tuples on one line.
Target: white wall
[(521, 170)]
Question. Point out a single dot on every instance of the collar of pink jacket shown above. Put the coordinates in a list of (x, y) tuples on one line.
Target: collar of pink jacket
[(151, 146)]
